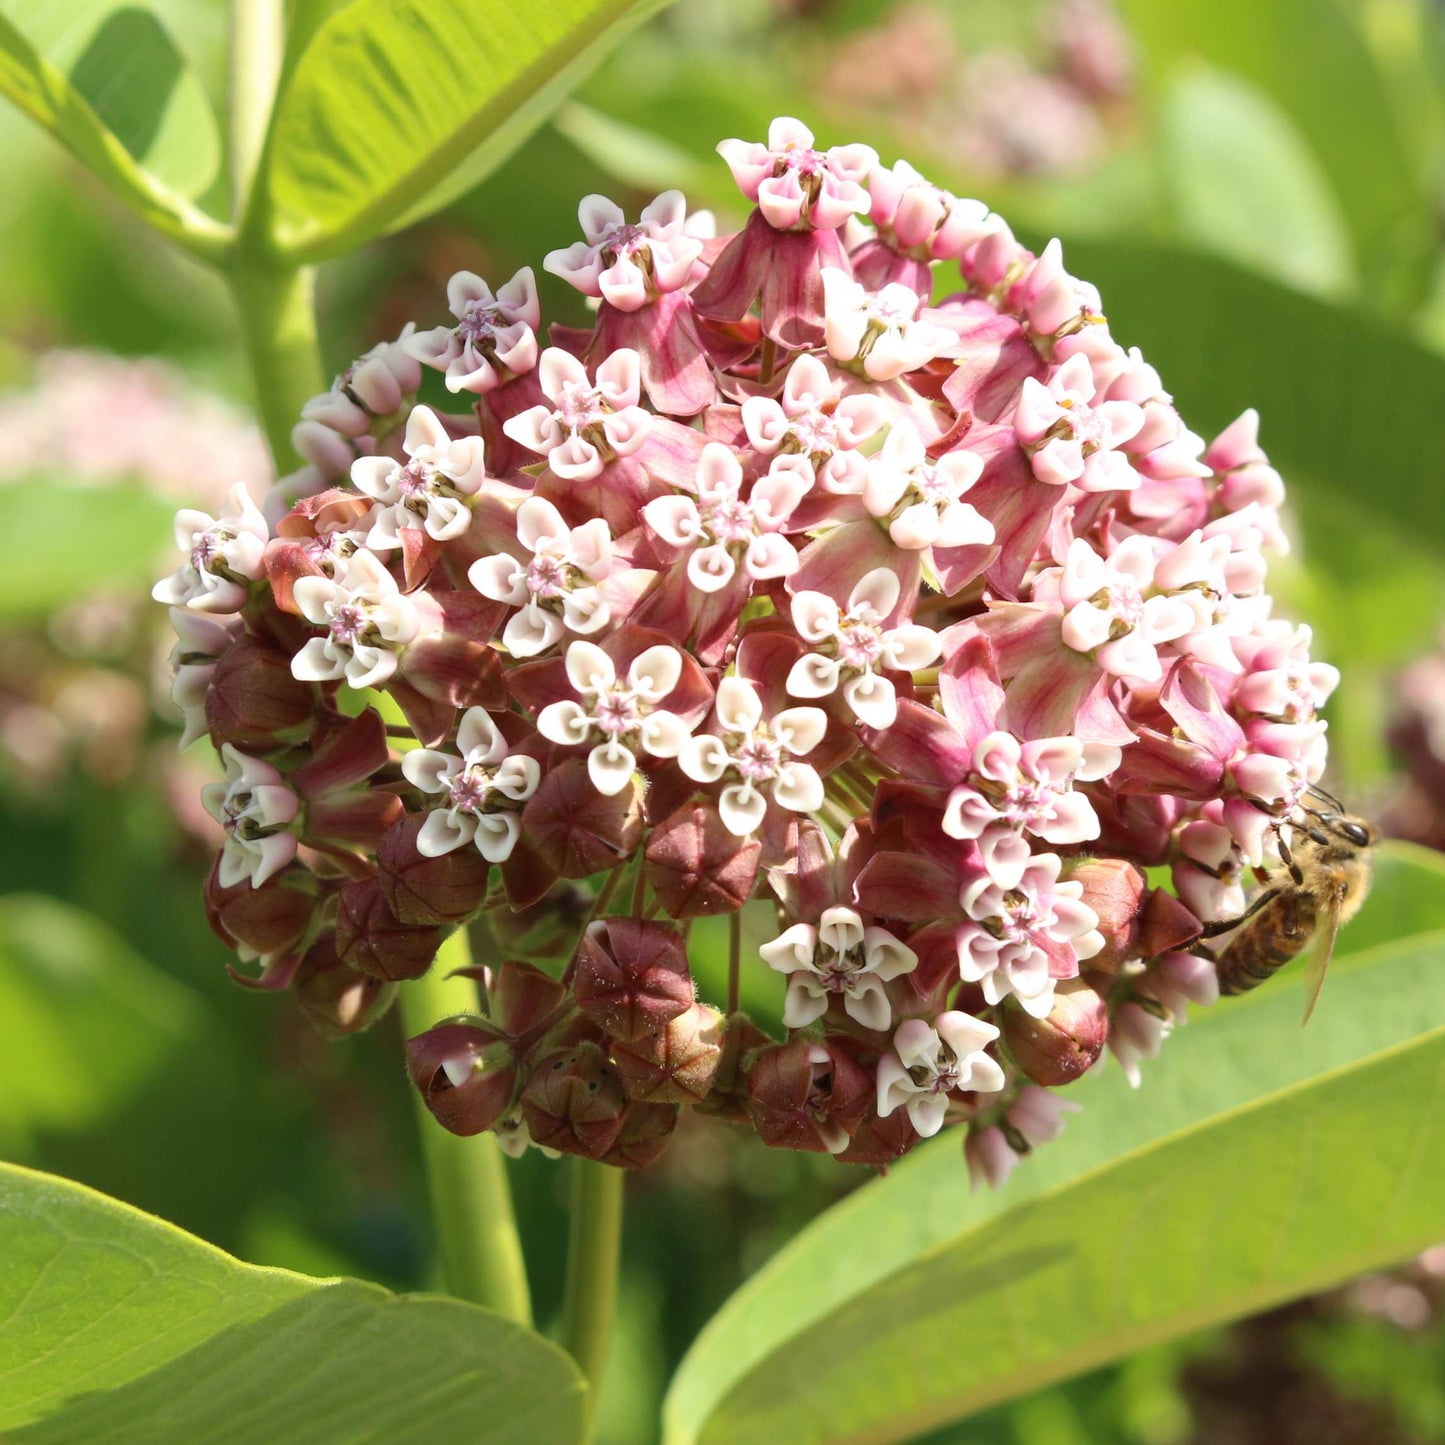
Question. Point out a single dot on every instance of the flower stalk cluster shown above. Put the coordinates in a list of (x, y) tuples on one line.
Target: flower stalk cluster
[(914, 629)]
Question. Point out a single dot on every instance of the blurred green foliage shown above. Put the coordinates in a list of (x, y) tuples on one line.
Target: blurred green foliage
[(1262, 213)]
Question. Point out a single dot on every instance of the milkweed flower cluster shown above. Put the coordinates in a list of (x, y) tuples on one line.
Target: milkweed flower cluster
[(913, 630)]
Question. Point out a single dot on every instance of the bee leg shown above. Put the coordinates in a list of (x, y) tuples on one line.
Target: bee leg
[(1224, 925), (1287, 858)]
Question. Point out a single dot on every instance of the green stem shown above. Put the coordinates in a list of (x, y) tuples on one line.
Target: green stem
[(470, 1199), (277, 308), (258, 49), (594, 1244)]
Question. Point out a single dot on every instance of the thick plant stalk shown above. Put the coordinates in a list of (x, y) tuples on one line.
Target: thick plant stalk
[(277, 309), (594, 1247), (471, 1201)]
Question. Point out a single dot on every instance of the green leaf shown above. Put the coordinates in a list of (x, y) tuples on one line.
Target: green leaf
[(64, 542), (392, 97), (1308, 55), (119, 1329), (111, 85), (1244, 183), (84, 1021), (1257, 1163)]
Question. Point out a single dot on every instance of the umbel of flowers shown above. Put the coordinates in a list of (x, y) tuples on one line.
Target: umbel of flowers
[(914, 629)]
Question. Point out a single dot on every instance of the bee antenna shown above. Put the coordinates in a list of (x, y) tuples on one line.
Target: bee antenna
[(1330, 798)]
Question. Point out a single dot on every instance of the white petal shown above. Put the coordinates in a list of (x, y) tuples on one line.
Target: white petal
[(655, 672), (610, 766), (444, 831), (741, 808), (565, 723), (589, 669)]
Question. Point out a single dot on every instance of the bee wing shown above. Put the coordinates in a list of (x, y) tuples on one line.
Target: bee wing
[(1322, 950)]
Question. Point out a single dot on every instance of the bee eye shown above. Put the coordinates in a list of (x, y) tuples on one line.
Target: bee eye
[(1356, 834)]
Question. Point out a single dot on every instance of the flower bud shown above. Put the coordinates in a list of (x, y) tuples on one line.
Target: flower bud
[(575, 829), (429, 890), (521, 998), (741, 1039), (646, 1128), (254, 703), (1115, 890), (676, 1065), (1057, 1049), (268, 919), (574, 1101), (371, 939), (878, 1142), (631, 977), (989, 1156), (466, 1072), (335, 999), (698, 867), (804, 1095)]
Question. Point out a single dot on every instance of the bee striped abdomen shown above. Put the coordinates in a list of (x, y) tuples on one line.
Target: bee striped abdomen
[(1268, 941)]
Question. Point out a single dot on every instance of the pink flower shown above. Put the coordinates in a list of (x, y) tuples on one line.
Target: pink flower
[(919, 217), (1072, 439), (586, 423), (495, 337), (367, 621), (255, 807), (881, 332), (224, 555), (930, 1061), (628, 266), (796, 186), (920, 499)]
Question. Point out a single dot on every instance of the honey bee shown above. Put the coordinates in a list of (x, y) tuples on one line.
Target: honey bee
[(1323, 879)]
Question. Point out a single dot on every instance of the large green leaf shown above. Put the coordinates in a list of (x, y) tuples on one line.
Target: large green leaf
[(84, 1022), (1311, 56), (119, 1329), (391, 97), (112, 86), (1257, 1163)]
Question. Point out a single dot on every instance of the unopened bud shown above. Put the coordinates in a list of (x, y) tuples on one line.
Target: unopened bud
[(266, 920), (335, 999), (429, 890), (574, 1101), (879, 1142), (697, 867), (1058, 1049), (632, 976), (676, 1065), (804, 1095), (466, 1072), (1115, 889), (575, 829), (371, 939), (254, 703), (646, 1128)]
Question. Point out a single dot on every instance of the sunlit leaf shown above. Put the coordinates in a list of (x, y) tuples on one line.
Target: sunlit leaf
[(1257, 1163), (391, 97), (119, 1329)]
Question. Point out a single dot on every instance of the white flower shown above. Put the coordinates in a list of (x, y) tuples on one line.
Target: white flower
[(759, 754), (495, 337), (725, 530), (255, 807), (815, 419), (224, 555), (1014, 933), (1072, 437), (476, 789), (628, 265), (1017, 788), (200, 642), (853, 647), (558, 591), (839, 956), (880, 331), (587, 423), (619, 713), (927, 1062), (367, 622), (920, 499), (429, 491), (1107, 613)]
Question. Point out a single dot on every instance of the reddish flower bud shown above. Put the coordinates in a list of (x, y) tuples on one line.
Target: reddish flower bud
[(676, 1065), (1115, 890), (429, 890), (729, 1097), (805, 1095), (698, 867), (268, 919), (1058, 1049), (879, 1142), (253, 701), (521, 999), (574, 1101), (646, 1128), (466, 1072), (575, 829), (371, 939), (632, 976), (1165, 924), (335, 999)]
